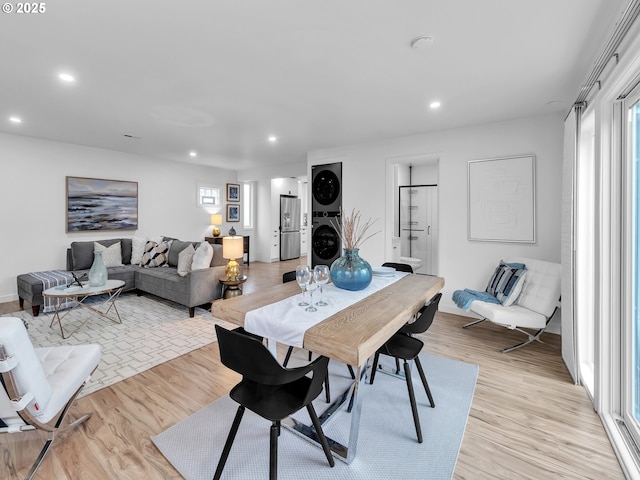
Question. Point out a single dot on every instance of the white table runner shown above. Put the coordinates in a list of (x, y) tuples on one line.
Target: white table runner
[(286, 322)]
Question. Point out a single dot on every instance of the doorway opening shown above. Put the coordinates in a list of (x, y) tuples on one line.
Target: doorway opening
[(413, 219)]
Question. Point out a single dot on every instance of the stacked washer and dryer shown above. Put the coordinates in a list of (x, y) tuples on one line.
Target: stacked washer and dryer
[(326, 202)]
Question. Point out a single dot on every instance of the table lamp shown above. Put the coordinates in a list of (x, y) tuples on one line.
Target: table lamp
[(216, 219), (232, 248)]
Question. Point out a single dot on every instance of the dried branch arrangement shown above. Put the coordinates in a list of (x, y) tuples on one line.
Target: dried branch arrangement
[(353, 234)]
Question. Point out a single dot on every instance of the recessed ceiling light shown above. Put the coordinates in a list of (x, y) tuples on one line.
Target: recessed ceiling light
[(15, 119), (273, 139), (65, 77), (434, 104), (193, 154)]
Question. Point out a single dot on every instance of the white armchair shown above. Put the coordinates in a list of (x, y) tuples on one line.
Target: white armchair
[(535, 306), (40, 384)]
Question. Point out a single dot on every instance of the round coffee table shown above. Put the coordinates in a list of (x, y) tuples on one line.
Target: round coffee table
[(79, 295)]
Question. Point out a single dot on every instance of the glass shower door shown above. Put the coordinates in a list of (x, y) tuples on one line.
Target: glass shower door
[(418, 210)]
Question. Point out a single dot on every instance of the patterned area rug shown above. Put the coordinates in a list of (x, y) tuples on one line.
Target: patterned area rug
[(387, 444), (152, 332)]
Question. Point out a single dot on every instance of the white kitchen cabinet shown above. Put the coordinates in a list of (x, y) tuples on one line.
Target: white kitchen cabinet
[(303, 241)]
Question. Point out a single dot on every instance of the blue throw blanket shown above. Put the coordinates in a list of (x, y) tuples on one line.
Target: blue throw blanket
[(463, 298)]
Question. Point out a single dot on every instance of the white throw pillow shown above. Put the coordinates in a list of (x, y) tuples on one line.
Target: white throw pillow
[(137, 247), (111, 255), (202, 257), (185, 260)]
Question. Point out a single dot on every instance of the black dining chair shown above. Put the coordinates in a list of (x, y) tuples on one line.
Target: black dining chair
[(401, 267), (269, 390), (402, 345)]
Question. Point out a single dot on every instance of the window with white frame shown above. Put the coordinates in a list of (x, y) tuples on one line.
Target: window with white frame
[(208, 196), (617, 335), (630, 325), (247, 205)]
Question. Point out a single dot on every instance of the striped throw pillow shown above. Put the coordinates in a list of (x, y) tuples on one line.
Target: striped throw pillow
[(506, 282)]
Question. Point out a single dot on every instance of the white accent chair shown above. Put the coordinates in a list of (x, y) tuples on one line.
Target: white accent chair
[(535, 306), (40, 384)]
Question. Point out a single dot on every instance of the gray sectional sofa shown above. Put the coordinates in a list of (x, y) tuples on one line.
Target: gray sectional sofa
[(197, 287)]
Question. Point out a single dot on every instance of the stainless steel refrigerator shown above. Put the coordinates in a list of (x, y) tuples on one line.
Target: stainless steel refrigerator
[(289, 227)]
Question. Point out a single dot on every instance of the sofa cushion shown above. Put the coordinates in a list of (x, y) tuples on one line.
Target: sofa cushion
[(217, 260), (67, 367), (510, 317), (137, 249), (155, 254), (178, 246), (163, 282), (126, 273), (541, 289), (111, 255), (202, 257), (82, 252), (185, 259)]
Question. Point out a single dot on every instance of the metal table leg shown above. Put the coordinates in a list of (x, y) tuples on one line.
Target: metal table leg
[(79, 302), (353, 395)]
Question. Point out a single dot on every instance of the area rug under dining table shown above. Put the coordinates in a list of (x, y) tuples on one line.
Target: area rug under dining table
[(387, 445)]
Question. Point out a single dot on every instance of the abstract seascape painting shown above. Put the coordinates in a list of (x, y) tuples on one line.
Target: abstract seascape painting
[(97, 204)]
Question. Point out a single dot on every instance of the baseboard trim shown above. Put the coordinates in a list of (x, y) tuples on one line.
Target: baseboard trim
[(456, 311), (8, 298)]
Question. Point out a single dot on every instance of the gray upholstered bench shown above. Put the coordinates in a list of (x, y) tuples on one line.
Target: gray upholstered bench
[(31, 285)]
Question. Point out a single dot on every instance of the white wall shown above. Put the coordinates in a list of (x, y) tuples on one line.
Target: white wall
[(286, 170), (32, 191), (463, 264), (32, 195)]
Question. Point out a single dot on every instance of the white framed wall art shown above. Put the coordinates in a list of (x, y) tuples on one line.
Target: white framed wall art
[(501, 199)]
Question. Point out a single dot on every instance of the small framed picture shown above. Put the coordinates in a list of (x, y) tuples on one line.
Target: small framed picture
[(233, 213), (233, 192)]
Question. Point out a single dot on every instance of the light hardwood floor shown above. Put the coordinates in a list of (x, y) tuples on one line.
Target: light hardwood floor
[(527, 420)]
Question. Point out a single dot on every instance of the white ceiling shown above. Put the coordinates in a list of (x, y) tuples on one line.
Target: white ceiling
[(220, 76)]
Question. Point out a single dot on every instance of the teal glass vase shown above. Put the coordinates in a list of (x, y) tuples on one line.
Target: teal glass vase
[(350, 271), (98, 272)]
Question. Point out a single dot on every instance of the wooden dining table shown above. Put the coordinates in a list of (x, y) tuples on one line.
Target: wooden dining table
[(352, 335)]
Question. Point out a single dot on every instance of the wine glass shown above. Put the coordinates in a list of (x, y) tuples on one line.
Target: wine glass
[(303, 277), (311, 287), (321, 276)]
